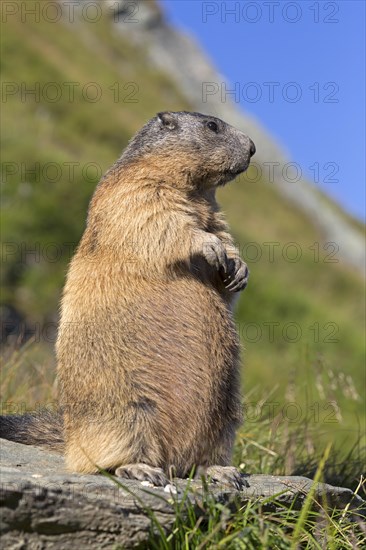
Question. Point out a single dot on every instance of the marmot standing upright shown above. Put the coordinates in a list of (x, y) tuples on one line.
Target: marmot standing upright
[(148, 355)]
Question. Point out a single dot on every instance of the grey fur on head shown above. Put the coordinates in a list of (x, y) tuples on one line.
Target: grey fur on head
[(182, 132)]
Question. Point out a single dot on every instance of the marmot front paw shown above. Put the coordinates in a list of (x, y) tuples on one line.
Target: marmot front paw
[(236, 277), (214, 252)]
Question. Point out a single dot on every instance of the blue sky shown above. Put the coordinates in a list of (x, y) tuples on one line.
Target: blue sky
[(312, 51)]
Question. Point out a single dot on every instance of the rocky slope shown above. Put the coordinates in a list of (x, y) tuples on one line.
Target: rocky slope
[(182, 59)]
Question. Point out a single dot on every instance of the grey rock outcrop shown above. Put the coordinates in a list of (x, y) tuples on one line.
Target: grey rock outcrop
[(43, 506)]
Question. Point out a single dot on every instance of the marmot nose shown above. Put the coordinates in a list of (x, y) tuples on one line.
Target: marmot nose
[(252, 148)]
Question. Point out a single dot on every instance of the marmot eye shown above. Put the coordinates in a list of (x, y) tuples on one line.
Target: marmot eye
[(213, 126)]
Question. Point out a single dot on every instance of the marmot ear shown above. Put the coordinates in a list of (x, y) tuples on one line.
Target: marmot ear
[(168, 119)]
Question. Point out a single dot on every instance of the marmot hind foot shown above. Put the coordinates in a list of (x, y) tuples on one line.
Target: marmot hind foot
[(226, 475), (143, 472)]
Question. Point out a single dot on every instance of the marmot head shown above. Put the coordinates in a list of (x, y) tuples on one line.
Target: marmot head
[(198, 149)]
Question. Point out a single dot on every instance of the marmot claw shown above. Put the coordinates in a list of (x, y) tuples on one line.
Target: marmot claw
[(143, 472), (237, 275), (227, 475)]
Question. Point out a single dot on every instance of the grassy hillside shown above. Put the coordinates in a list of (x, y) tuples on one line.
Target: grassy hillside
[(54, 152), (301, 317)]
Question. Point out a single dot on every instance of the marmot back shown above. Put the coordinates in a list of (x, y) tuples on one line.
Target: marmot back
[(148, 356)]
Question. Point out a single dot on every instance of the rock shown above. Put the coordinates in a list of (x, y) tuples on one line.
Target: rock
[(43, 506)]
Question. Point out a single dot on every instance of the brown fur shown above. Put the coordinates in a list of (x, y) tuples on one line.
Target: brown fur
[(148, 355)]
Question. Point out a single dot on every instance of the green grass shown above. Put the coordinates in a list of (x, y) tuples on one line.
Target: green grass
[(205, 521), (257, 525), (301, 322), (45, 206)]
